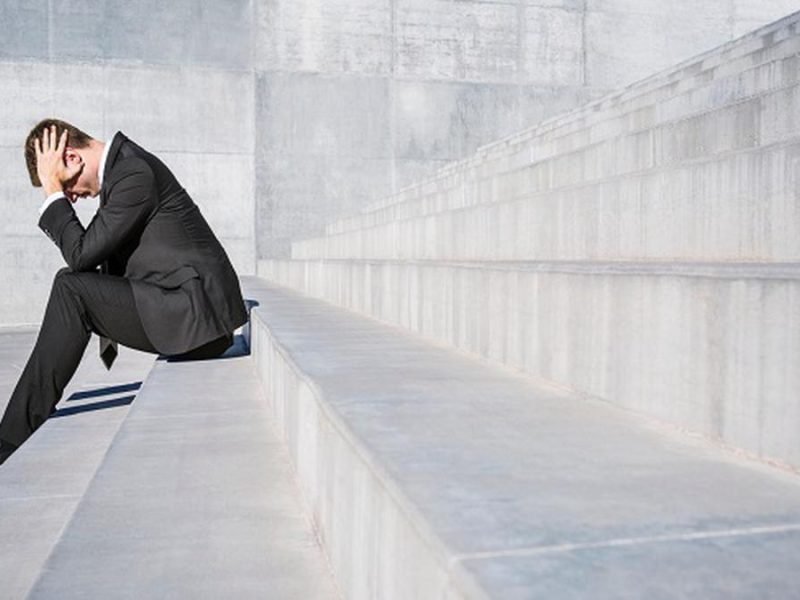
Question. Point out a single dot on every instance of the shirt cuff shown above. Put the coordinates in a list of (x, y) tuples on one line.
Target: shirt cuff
[(50, 199)]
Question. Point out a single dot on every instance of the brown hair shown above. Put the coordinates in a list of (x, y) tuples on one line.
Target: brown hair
[(75, 138)]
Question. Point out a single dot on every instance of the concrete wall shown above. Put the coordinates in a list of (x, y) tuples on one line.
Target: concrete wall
[(359, 98), (279, 115), (178, 82)]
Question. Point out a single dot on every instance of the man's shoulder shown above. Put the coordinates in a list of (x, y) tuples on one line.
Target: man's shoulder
[(127, 166)]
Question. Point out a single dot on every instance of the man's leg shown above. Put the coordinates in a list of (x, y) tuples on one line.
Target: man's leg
[(79, 304)]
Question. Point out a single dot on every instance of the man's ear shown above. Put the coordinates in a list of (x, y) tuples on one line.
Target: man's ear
[(71, 156)]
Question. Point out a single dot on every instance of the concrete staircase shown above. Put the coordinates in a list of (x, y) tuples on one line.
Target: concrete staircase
[(569, 366), (433, 475), (643, 250)]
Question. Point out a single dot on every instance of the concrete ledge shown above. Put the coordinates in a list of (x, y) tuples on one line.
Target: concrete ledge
[(432, 475), (735, 207), (710, 348), (691, 193)]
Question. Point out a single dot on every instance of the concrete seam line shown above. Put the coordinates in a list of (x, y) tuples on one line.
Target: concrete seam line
[(634, 541), (40, 497)]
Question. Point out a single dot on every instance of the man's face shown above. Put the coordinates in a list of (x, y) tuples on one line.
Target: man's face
[(86, 183)]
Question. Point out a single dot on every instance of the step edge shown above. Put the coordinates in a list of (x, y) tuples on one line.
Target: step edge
[(443, 554)]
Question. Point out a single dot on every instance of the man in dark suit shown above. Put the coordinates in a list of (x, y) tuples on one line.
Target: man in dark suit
[(147, 272)]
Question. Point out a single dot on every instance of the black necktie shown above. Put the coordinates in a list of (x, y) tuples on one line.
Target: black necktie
[(108, 351), (108, 348)]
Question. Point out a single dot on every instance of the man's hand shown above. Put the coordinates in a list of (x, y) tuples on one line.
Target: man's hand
[(53, 172)]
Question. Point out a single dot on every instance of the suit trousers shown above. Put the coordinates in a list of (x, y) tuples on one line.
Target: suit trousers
[(80, 303)]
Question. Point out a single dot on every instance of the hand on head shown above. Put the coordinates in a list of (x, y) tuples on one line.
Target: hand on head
[(54, 172)]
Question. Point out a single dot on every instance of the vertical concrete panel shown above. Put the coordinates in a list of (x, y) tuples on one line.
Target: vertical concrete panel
[(627, 40), (323, 148), (551, 46), (448, 120), (25, 29), (25, 92), (322, 115), (19, 201), (331, 36), (30, 262), (469, 40), (180, 32), (175, 108)]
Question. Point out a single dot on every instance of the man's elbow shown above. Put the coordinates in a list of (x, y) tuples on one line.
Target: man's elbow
[(80, 263)]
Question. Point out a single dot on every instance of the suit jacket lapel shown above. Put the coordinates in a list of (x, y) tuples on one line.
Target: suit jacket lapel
[(113, 152)]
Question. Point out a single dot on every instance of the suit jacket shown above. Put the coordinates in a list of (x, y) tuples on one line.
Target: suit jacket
[(149, 230)]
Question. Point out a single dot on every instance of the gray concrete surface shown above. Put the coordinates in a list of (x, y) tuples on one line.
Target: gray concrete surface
[(642, 249), (711, 348), (433, 475), (279, 115), (629, 176), (42, 483), (359, 99), (195, 498)]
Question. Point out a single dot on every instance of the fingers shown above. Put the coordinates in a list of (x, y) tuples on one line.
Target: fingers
[(49, 140), (62, 142), (37, 147)]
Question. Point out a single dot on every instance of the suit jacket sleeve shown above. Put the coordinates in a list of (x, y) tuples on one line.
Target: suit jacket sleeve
[(130, 199)]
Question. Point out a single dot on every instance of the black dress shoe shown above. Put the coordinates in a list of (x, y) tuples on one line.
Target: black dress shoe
[(6, 450)]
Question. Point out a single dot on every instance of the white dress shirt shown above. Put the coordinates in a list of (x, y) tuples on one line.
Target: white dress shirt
[(56, 195)]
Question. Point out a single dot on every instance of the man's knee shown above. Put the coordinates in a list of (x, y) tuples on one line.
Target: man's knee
[(67, 279), (66, 276), (62, 277), (62, 274)]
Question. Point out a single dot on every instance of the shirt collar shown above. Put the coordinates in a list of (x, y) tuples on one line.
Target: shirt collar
[(102, 167)]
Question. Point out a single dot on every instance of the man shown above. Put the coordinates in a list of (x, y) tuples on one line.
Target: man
[(147, 272)]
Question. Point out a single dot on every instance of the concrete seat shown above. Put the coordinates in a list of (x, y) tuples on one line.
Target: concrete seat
[(710, 347), (434, 475)]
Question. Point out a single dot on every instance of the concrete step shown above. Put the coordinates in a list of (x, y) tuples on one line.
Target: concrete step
[(709, 348), (195, 498), (434, 475), (734, 71), (712, 87), (762, 121), (741, 205), (760, 47), (43, 482), (678, 112)]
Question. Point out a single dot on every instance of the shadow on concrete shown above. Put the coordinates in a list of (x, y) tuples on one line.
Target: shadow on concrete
[(102, 404), (105, 391)]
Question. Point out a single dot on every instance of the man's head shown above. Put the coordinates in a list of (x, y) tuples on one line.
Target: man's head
[(81, 149)]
